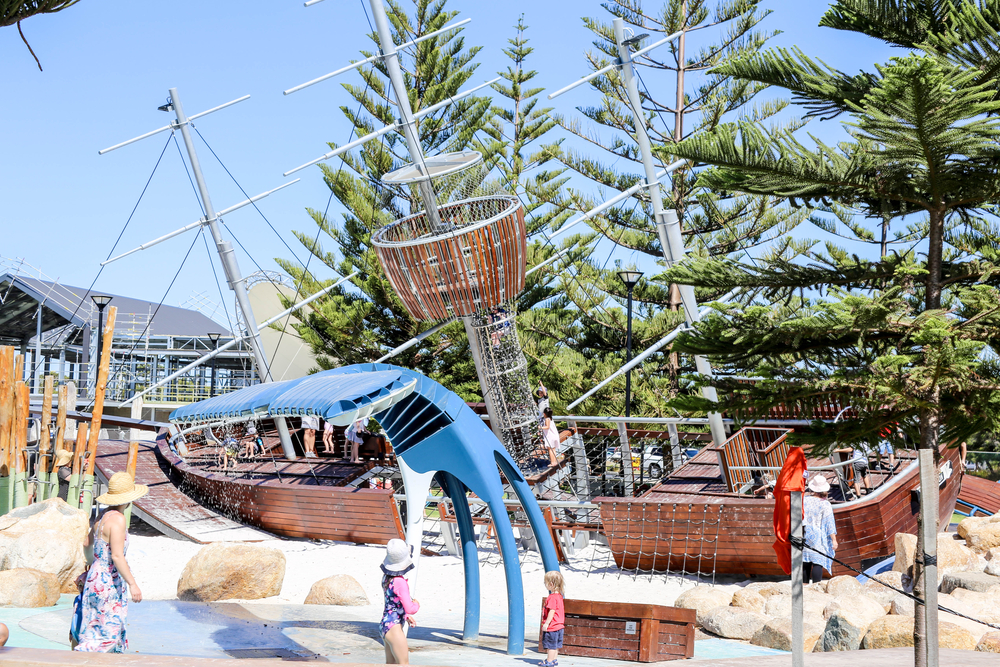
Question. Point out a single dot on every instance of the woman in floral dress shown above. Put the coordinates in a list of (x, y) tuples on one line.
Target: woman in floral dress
[(104, 600)]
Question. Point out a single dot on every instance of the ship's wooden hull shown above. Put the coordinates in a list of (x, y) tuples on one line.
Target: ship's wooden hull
[(299, 507), (727, 534)]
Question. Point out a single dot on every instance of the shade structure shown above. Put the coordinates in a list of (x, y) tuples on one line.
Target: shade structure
[(339, 396), (477, 264)]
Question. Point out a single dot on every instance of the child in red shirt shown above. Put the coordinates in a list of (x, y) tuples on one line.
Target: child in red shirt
[(555, 618)]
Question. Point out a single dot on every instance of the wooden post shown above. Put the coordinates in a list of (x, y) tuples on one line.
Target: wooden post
[(6, 392), (73, 495), (22, 398), (44, 442), (133, 459), (95, 422), (60, 442)]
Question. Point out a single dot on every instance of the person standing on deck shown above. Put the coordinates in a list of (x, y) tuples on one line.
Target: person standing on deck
[(310, 424), (103, 600), (820, 531)]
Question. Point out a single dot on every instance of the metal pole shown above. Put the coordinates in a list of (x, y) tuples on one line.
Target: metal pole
[(224, 247), (667, 224), (100, 333), (928, 532), (215, 359), (37, 366), (797, 602), (391, 61), (628, 357)]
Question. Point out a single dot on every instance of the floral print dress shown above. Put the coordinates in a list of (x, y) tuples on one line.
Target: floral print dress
[(398, 604), (105, 602)]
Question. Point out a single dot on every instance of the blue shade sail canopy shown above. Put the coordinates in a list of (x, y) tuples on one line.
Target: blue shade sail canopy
[(340, 396)]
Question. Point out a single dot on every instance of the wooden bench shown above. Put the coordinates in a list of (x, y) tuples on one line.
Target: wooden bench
[(626, 631)]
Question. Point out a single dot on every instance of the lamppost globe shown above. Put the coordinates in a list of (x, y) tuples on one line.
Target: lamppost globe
[(630, 278), (101, 301)]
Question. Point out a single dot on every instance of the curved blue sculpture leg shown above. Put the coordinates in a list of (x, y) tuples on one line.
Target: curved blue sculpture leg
[(531, 508), (455, 490), (512, 573)]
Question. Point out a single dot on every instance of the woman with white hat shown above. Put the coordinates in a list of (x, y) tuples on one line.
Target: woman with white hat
[(820, 530), (103, 601), (399, 608)]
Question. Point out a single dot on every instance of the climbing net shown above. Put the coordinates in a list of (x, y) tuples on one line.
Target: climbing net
[(505, 375)]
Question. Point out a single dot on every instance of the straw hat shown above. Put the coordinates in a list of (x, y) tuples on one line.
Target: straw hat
[(818, 484), (63, 456), (397, 557), (122, 490)]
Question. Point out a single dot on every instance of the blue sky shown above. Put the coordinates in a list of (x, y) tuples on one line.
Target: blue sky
[(109, 63)]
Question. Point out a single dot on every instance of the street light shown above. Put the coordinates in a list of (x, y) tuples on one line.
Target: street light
[(631, 279), (101, 301), (214, 337)]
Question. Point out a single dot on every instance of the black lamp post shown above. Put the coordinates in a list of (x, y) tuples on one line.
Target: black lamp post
[(631, 279), (101, 302), (214, 337)]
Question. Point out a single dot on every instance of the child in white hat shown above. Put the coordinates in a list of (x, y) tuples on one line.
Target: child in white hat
[(399, 607)]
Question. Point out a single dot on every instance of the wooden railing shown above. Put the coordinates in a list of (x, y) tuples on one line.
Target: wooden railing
[(751, 447)]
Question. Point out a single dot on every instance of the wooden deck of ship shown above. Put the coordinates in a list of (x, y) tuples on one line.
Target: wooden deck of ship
[(979, 496), (165, 507), (691, 522)]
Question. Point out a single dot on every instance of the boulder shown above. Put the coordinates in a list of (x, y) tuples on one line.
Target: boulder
[(990, 642), (813, 604), (25, 587), (46, 536), (883, 594), (973, 581), (902, 606), (777, 634), (844, 586), (704, 599), (981, 533), (847, 619), (749, 599), (953, 636), (733, 622), (952, 554), (769, 588), (340, 589), (226, 571), (889, 632)]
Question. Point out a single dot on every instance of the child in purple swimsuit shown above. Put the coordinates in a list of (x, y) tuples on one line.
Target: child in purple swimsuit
[(399, 608)]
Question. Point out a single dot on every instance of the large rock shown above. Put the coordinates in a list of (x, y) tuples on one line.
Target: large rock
[(981, 533), (952, 555), (889, 632), (953, 636), (883, 594), (340, 589), (973, 581), (844, 586), (769, 588), (704, 599), (749, 599), (28, 588), (848, 617), (733, 622), (990, 642), (46, 536), (904, 607), (777, 634), (813, 604), (227, 571)]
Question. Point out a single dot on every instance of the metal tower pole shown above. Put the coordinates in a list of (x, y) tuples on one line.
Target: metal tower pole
[(391, 60), (667, 225), (229, 266)]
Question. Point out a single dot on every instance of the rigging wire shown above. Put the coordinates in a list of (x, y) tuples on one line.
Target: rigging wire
[(149, 322), (83, 298)]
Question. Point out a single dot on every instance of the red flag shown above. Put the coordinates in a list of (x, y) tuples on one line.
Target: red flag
[(791, 478)]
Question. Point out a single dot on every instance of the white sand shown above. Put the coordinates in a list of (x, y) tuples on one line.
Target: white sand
[(157, 563)]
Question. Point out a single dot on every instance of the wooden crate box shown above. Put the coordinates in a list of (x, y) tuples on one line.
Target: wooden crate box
[(625, 631)]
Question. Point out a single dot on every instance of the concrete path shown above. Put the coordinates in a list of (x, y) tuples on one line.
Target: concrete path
[(893, 657)]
